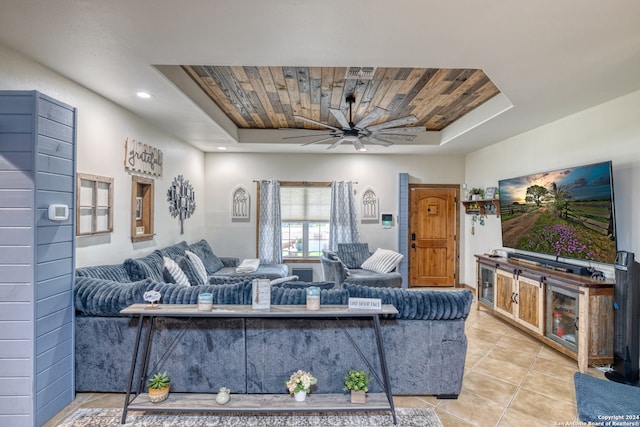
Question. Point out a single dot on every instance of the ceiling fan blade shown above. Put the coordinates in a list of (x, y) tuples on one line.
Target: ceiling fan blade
[(376, 141), (317, 123), (335, 144), (309, 136), (317, 142), (394, 136), (370, 118), (413, 129), (393, 123), (340, 117), (359, 146)]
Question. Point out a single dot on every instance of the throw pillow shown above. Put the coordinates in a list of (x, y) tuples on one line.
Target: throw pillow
[(173, 271), (199, 266), (189, 269), (211, 262), (150, 266), (382, 261), (353, 254)]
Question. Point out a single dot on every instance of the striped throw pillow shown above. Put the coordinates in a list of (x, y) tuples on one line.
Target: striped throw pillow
[(199, 266), (175, 272), (382, 261)]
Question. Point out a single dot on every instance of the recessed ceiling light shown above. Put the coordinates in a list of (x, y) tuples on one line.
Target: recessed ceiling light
[(143, 95), (222, 148), (362, 149)]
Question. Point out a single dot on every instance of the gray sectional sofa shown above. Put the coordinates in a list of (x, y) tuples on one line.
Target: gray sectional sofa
[(425, 343)]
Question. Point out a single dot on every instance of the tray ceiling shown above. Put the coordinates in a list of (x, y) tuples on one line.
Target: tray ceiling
[(257, 97)]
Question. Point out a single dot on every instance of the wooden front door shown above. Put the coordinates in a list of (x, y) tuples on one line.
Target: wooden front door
[(432, 236)]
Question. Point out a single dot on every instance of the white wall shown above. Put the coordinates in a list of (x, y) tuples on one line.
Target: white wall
[(103, 128), (610, 131), (225, 171)]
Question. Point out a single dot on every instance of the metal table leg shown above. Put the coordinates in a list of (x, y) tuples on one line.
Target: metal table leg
[(132, 370), (383, 366)]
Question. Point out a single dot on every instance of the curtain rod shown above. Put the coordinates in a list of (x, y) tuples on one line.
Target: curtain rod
[(309, 182)]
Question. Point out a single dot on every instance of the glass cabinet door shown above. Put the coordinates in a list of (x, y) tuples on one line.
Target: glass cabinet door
[(562, 316), (486, 278)]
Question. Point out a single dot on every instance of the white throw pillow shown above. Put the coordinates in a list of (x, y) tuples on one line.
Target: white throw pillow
[(382, 261), (198, 266), (175, 272)]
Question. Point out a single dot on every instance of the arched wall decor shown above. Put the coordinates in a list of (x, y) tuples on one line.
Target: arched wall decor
[(240, 204), (182, 200), (369, 206)]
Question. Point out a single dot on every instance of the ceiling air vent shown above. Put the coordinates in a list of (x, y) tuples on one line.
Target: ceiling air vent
[(362, 73)]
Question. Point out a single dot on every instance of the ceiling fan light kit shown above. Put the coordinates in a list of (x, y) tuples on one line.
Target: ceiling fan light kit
[(381, 134)]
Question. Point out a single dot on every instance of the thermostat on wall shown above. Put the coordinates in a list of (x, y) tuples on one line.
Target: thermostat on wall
[(387, 220), (58, 212)]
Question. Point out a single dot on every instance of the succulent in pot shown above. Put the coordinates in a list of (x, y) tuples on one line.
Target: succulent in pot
[(159, 387)]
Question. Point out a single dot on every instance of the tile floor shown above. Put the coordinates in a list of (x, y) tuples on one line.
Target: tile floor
[(510, 380)]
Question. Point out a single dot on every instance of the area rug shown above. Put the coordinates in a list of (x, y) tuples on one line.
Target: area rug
[(99, 417), (603, 401)]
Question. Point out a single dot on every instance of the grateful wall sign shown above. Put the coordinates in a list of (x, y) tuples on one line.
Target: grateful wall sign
[(143, 158)]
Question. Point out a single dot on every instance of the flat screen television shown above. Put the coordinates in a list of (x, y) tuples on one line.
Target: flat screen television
[(566, 213)]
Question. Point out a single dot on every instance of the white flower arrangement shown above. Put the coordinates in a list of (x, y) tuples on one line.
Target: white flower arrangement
[(300, 381)]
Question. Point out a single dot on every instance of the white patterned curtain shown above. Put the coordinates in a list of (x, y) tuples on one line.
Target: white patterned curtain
[(270, 226), (343, 225)]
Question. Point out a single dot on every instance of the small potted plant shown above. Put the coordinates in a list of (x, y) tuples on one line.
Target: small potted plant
[(358, 383), (158, 387), (300, 383), (476, 193)]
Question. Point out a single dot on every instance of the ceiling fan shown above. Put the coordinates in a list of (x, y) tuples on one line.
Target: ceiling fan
[(361, 132)]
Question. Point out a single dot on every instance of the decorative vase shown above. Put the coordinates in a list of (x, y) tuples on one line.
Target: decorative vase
[(157, 395), (358, 396), (223, 396), (300, 395)]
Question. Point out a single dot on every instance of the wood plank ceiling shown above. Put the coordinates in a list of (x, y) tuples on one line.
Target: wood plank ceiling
[(269, 97)]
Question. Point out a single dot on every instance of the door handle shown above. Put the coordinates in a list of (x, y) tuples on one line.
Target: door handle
[(413, 245)]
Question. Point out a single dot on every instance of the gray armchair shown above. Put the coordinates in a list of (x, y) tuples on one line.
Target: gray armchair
[(335, 270)]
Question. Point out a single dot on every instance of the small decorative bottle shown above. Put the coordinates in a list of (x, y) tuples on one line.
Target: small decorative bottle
[(313, 298), (223, 396)]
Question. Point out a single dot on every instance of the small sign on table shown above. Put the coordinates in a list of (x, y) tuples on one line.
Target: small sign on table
[(261, 294), (365, 303)]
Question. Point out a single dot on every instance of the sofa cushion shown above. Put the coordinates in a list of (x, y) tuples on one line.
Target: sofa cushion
[(211, 262), (359, 276), (173, 273), (423, 304), (198, 266), (295, 284), (174, 251), (353, 254), (265, 271), (148, 267), (382, 261), (115, 272), (100, 297), (286, 296)]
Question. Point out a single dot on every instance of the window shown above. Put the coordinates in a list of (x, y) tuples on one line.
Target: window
[(94, 205), (305, 210)]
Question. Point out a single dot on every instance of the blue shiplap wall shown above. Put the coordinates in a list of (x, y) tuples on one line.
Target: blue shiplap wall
[(403, 226), (37, 168)]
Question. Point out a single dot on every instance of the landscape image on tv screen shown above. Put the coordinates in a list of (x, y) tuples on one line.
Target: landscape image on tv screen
[(566, 213)]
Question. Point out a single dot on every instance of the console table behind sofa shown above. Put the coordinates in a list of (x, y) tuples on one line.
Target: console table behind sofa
[(426, 340)]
